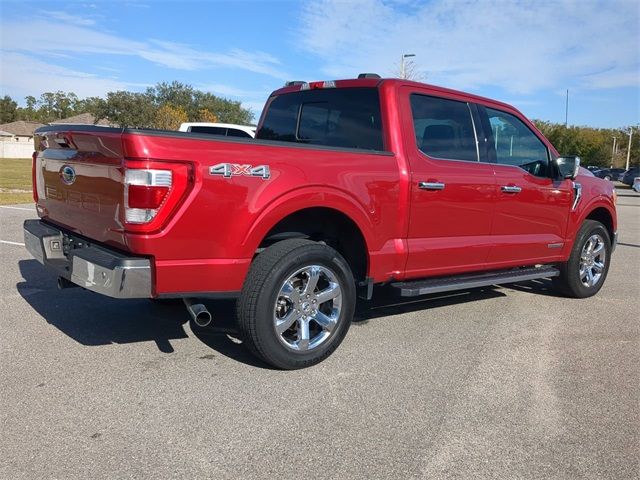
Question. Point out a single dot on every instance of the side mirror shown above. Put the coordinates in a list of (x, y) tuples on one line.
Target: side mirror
[(567, 167)]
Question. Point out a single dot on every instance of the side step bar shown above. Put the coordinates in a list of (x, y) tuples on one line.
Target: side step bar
[(462, 282)]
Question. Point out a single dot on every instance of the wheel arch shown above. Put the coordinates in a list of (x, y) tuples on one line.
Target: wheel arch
[(320, 214), (328, 225), (604, 216)]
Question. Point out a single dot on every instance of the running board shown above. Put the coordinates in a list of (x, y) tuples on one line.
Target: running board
[(462, 282)]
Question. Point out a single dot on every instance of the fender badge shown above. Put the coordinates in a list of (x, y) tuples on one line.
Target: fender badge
[(229, 170)]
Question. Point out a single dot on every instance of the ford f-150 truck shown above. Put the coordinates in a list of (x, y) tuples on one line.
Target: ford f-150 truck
[(349, 184)]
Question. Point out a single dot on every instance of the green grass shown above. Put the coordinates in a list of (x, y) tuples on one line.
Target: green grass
[(13, 198), (15, 180)]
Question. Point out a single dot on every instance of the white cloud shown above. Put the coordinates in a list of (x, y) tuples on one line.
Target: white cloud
[(232, 91), (67, 18), (25, 75), (521, 47), (68, 37)]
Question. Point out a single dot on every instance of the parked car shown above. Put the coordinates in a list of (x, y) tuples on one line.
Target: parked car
[(630, 175), (610, 173), (592, 168), (349, 184), (224, 129)]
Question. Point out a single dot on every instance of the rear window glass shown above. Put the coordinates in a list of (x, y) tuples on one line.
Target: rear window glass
[(210, 130), (345, 117), (443, 128), (234, 132)]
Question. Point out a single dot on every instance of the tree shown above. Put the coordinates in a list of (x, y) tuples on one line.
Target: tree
[(204, 115), (169, 117), (227, 111), (176, 94), (64, 104), (194, 101), (411, 72), (29, 113), (127, 109), (593, 145), (8, 109)]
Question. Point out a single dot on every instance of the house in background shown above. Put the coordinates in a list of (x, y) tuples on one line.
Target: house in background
[(82, 119), (16, 140)]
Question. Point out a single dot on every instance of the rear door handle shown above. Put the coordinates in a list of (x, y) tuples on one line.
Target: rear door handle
[(430, 186), (511, 189)]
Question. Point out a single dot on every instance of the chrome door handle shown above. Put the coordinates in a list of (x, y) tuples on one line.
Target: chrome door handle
[(510, 189), (431, 186)]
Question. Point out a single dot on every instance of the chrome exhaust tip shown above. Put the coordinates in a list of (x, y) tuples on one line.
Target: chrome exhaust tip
[(201, 316)]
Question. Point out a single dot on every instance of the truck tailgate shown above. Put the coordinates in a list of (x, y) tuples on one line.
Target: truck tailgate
[(79, 182)]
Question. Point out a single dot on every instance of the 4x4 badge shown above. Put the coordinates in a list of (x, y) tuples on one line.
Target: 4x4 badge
[(234, 169)]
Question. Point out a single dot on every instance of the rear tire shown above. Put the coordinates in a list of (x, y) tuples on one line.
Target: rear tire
[(296, 304), (584, 273)]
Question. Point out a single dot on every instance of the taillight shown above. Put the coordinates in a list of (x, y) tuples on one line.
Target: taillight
[(145, 191), (34, 186), (152, 191)]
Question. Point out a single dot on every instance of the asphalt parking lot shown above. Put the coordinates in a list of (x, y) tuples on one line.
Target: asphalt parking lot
[(508, 382)]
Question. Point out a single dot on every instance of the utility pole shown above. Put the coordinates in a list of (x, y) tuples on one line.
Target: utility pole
[(613, 151), (402, 70), (629, 149), (566, 110)]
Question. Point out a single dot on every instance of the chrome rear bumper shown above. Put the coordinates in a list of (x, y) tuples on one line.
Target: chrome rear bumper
[(93, 267)]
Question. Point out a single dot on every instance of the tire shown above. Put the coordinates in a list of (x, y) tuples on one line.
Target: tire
[(579, 275), (291, 284)]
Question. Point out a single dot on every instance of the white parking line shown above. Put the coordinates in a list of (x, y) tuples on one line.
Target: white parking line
[(12, 243), (18, 208)]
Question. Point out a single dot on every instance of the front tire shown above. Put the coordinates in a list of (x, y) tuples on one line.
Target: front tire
[(296, 304), (585, 272)]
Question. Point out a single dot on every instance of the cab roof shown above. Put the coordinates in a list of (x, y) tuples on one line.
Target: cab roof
[(377, 82)]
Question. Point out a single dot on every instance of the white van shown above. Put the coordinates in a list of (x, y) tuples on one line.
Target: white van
[(224, 129)]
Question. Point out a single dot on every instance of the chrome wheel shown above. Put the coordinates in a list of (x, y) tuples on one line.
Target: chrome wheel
[(592, 261), (307, 308)]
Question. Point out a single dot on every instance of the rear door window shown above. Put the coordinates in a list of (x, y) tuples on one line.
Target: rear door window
[(444, 128), (342, 117)]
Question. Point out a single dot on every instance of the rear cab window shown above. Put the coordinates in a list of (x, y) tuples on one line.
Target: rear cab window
[(444, 128), (332, 117)]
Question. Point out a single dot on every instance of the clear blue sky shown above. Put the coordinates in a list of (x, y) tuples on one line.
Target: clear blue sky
[(524, 53)]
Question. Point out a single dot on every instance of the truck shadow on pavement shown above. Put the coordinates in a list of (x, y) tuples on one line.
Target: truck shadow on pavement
[(387, 302), (94, 320)]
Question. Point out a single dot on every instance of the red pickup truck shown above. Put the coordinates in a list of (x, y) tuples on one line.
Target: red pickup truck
[(348, 184)]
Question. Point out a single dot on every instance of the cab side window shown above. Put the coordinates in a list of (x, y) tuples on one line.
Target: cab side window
[(443, 128), (512, 143)]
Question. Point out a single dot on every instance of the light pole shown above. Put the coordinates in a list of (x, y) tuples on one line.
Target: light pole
[(402, 71), (629, 149), (613, 151)]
